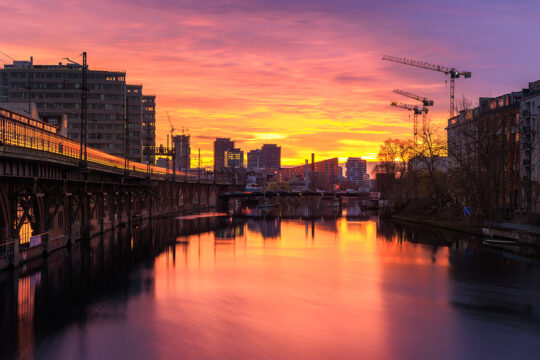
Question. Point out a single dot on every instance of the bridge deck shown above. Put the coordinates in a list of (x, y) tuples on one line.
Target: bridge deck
[(33, 141)]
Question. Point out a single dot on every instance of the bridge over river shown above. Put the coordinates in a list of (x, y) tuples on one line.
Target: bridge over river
[(50, 196)]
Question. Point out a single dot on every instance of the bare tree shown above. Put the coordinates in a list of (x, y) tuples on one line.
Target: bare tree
[(393, 156), (484, 154), (463, 103), (432, 152)]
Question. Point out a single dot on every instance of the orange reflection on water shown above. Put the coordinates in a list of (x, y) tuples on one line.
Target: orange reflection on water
[(318, 290), (26, 296)]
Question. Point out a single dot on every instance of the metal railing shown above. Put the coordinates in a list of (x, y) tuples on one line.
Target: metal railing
[(20, 131)]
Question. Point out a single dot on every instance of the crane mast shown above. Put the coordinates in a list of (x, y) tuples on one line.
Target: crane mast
[(171, 125), (417, 110), (452, 72), (425, 102)]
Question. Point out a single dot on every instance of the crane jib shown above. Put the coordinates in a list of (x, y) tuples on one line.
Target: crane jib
[(454, 74)]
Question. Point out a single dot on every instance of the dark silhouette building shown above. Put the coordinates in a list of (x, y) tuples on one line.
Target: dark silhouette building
[(149, 126), (221, 145), (254, 160), (182, 149), (271, 157)]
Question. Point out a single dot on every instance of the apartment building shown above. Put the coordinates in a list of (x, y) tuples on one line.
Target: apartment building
[(56, 90)]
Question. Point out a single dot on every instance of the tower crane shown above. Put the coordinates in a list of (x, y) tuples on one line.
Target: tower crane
[(172, 129), (416, 109), (452, 72), (171, 125), (425, 102)]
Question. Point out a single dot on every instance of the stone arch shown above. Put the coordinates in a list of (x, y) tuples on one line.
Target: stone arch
[(212, 197), (203, 196), (63, 215), (195, 200)]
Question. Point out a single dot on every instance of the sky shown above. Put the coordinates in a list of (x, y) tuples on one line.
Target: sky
[(305, 74)]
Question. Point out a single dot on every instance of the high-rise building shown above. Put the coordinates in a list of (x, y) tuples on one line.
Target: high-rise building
[(221, 145), (356, 169), (182, 149), (271, 157), (234, 158), (134, 114), (56, 90), (149, 126), (254, 159)]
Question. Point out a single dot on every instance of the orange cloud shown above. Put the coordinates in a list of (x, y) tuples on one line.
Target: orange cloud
[(308, 77)]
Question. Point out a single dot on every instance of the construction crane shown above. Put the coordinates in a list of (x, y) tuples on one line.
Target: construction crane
[(452, 72), (425, 102), (172, 128), (416, 109)]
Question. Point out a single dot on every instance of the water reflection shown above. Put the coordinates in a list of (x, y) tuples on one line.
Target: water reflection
[(268, 228), (272, 288)]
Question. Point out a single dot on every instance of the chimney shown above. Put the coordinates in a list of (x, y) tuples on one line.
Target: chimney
[(306, 176), (312, 162)]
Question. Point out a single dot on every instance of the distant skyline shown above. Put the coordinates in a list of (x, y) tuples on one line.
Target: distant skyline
[(306, 75)]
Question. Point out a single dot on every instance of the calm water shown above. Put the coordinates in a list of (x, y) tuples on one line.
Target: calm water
[(273, 289)]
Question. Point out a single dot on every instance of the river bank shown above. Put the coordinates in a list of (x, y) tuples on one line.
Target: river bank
[(516, 238), (448, 225)]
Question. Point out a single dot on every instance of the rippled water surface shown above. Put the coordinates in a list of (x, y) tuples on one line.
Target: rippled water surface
[(273, 289)]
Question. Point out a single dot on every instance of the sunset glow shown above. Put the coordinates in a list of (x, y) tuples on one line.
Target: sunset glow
[(306, 75)]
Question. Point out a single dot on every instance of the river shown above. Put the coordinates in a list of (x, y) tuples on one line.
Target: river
[(226, 288)]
